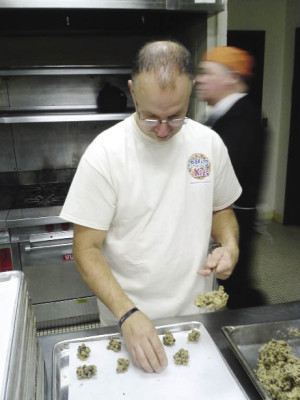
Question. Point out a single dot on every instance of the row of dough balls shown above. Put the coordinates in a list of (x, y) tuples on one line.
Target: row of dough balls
[(87, 371)]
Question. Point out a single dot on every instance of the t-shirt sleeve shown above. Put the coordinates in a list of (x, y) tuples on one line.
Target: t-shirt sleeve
[(227, 188), (91, 199)]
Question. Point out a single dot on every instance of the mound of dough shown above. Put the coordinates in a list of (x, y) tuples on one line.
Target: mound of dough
[(123, 365), (83, 352), (212, 301), (181, 357), (194, 336), (279, 370), (294, 332), (86, 371), (168, 339), (114, 345)]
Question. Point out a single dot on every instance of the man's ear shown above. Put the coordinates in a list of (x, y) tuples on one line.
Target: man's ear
[(233, 77), (130, 85)]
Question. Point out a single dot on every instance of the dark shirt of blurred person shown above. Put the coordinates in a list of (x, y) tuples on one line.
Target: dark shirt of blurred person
[(223, 81)]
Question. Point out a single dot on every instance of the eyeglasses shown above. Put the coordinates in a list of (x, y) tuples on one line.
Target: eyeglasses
[(152, 123)]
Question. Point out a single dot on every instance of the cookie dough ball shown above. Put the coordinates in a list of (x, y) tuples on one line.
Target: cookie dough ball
[(212, 301), (194, 336), (181, 357), (168, 339), (83, 352), (114, 345), (86, 371), (123, 365)]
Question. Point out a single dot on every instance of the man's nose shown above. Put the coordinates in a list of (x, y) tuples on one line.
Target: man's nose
[(162, 129)]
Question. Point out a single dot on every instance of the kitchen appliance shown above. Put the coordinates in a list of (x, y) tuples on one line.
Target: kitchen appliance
[(40, 241), (41, 246), (5, 250)]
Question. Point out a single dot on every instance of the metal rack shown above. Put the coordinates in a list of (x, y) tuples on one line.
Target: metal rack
[(15, 118), (10, 114), (181, 5), (66, 70)]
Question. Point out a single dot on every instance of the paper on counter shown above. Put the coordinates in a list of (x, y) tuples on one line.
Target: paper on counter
[(206, 376)]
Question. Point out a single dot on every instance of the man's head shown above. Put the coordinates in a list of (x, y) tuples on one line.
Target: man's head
[(161, 86), (222, 71)]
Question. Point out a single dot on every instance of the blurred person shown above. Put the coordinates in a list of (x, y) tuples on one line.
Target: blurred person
[(147, 195), (223, 81)]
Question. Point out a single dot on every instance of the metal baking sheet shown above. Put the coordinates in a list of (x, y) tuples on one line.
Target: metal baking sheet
[(246, 340), (207, 375)]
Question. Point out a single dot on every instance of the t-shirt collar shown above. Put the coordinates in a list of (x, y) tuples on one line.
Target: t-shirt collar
[(222, 106)]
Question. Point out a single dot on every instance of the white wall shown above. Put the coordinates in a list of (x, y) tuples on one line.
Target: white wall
[(278, 18)]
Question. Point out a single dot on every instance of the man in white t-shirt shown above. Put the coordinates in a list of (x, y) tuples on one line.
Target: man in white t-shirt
[(147, 195)]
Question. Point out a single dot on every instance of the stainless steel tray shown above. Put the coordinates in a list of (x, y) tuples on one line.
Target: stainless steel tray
[(246, 340), (207, 375)]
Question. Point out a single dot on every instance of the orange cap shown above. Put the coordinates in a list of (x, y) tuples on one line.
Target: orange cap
[(236, 59)]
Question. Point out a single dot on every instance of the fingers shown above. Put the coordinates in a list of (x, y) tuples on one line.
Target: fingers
[(143, 343), (221, 260), (211, 263), (213, 259), (141, 360), (160, 353), (204, 272), (149, 358)]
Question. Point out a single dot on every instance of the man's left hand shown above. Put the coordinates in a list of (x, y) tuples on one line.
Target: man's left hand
[(223, 259)]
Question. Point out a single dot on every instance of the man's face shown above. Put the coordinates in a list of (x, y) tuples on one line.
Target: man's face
[(157, 103), (211, 82)]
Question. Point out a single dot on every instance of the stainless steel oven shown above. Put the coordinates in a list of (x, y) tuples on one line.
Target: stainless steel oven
[(58, 293), (41, 244)]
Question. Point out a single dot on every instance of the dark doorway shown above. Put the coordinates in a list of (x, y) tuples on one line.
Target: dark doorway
[(292, 195), (254, 43)]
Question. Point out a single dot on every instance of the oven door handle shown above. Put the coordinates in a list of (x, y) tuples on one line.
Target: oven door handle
[(29, 248)]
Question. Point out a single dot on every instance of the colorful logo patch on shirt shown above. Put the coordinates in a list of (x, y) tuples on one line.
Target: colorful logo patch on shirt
[(199, 166)]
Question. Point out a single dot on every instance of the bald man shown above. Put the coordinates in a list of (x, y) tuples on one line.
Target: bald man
[(147, 195)]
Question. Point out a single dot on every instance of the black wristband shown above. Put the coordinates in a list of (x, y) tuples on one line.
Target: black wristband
[(125, 316)]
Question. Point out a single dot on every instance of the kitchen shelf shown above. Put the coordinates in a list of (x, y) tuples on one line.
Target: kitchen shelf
[(66, 70), (13, 111), (15, 118), (171, 5)]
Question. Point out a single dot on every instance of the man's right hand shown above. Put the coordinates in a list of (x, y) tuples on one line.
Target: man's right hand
[(143, 343)]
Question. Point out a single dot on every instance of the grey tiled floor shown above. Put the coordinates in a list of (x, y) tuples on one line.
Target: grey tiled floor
[(276, 261)]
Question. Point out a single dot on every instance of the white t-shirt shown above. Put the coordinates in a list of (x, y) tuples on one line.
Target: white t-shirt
[(155, 199)]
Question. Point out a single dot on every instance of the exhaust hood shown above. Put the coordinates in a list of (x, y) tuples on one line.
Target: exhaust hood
[(207, 6)]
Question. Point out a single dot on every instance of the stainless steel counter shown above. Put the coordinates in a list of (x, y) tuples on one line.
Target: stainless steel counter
[(17, 218), (3, 215), (213, 323), (33, 217)]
